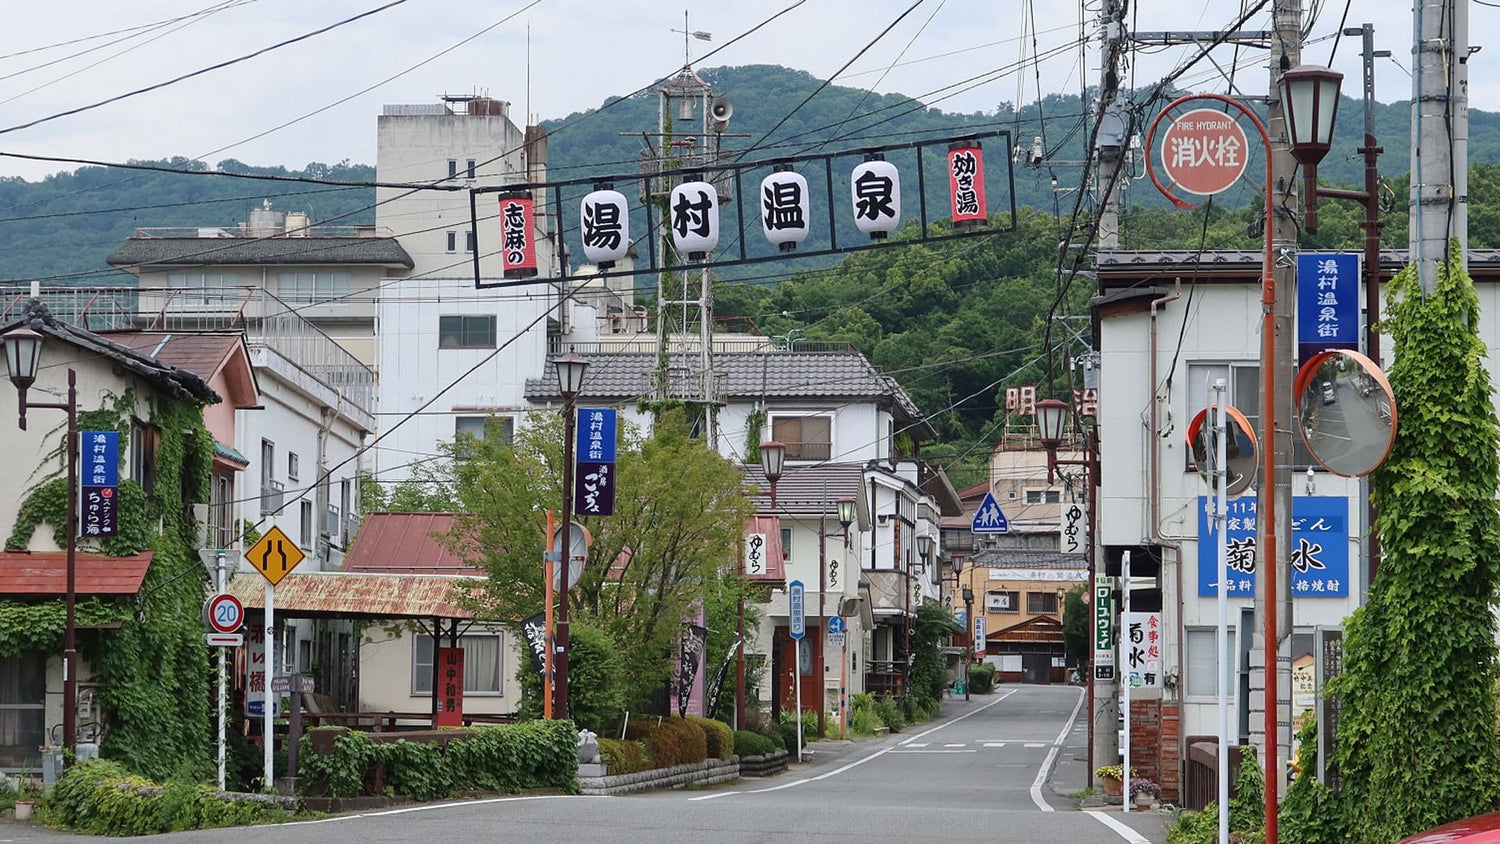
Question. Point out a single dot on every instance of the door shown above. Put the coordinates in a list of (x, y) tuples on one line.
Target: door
[(1037, 668)]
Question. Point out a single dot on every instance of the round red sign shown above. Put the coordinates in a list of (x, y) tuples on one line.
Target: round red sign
[(1204, 151), (224, 613)]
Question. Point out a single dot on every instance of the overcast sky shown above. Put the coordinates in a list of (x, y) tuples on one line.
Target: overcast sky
[(582, 51)]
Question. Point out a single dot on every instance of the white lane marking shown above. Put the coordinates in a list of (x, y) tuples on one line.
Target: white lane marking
[(712, 796), (430, 806), (1036, 744), (908, 743), (1041, 775), (994, 744), (1120, 829), (959, 744), (778, 787), (935, 751)]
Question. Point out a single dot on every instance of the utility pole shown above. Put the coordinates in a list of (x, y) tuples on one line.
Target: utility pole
[(1110, 140), (1277, 409), (1439, 201)]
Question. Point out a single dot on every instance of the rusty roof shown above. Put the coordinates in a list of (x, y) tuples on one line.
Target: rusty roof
[(45, 574), (351, 595), (405, 543), (775, 556)]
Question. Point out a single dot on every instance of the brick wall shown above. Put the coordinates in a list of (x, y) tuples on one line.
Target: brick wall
[(1145, 738), (1171, 752)]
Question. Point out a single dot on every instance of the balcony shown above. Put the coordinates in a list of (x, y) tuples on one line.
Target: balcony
[(272, 497)]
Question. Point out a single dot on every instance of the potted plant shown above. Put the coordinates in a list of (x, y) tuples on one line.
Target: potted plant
[(1113, 779), (1143, 791), (26, 795)]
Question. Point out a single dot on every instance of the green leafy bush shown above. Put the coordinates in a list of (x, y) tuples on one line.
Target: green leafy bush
[(675, 741), (890, 714), (100, 797), (747, 743), (981, 678), (864, 721), (596, 684), (416, 769), (719, 736), (1310, 812), (1246, 810), (623, 757)]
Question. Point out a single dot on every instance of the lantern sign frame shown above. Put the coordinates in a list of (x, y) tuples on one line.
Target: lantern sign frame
[(829, 197), (605, 196)]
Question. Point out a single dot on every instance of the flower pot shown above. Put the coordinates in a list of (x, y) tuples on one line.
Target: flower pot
[(1144, 799), (23, 810), (1113, 786)]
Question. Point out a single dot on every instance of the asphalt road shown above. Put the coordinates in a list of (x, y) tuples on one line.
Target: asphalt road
[(982, 772)]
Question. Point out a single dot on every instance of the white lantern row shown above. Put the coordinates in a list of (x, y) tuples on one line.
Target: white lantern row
[(785, 209)]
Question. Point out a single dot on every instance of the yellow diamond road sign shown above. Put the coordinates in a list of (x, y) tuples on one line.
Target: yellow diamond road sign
[(275, 555)]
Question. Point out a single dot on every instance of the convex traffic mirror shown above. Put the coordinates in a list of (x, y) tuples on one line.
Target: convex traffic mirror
[(1346, 412), (1241, 447)]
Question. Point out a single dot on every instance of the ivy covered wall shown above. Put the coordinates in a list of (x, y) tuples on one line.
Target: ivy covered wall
[(153, 669)]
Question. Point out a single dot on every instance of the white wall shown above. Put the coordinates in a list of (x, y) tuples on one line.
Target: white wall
[(385, 676)]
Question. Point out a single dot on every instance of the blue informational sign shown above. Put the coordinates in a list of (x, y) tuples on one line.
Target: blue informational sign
[(796, 621), (1327, 303), (989, 518), (836, 624), (99, 484), (1319, 556), (596, 434)]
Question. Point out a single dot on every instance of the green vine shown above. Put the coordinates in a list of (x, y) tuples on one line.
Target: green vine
[(152, 668), (753, 425)]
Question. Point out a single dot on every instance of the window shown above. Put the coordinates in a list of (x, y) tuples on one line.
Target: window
[(306, 537), (469, 171), (466, 332), (293, 465), (1041, 603), (312, 287), (1011, 494), (221, 511), (786, 543), (346, 489), (1002, 601), (203, 288), (1043, 496), (1243, 381), (494, 429), (483, 674), (806, 437), (452, 241), (143, 439), (1198, 675), (469, 241), (452, 168)]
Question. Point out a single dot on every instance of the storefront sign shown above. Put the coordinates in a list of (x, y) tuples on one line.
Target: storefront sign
[(1319, 554)]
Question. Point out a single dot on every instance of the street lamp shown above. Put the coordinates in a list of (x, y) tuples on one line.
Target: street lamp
[(772, 458), (1310, 94), (23, 348), (969, 620), (570, 370), (924, 546), (846, 516)]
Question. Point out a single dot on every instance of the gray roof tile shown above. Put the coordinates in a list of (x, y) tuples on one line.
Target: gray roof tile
[(201, 251)]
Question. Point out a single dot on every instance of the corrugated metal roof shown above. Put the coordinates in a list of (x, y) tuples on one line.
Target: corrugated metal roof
[(405, 543), (1004, 558), (808, 489), (45, 574), (203, 251), (775, 555), (204, 354), (346, 595)]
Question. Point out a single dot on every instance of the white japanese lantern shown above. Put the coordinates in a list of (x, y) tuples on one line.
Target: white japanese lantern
[(604, 222), (693, 215), (785, 212), (875, 193)]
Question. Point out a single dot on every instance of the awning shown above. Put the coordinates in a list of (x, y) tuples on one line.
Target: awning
[(45, 574), (346, 595), (230, 455), (773, 556)]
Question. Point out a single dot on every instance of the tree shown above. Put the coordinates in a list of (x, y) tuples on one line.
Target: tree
[(679, 516), (1075, 624), (1416, 738)]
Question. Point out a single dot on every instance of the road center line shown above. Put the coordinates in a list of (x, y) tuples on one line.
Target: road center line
[(1119, 829), (1041, 775), (712, 796)]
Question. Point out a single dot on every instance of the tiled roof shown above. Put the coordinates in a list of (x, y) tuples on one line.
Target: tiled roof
[(807, 489), (1004, 558), (200, 251), (405, 543), (45, 574), (178, 383)]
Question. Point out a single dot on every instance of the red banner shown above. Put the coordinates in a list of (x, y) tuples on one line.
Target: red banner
[(450, 690), (517, 236), (966, 183)]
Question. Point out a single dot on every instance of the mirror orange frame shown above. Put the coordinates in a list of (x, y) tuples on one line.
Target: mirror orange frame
[(1306, 377), (1195, 428)]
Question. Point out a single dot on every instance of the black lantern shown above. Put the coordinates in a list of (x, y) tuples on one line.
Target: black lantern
[(1310, 99), (772, 458), (846, 512), (23, 354), (570, 368)]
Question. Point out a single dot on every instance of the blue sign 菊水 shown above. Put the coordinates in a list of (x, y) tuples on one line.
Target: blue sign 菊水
[(1327, 303), (796, 620), (1319, 554), (989, 518), (596, 434)]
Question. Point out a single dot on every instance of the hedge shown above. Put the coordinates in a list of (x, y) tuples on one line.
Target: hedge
[(747, 743), (507, 758), (982, 678), (676, 741), (624, 756), (719, 736), (101, 797)]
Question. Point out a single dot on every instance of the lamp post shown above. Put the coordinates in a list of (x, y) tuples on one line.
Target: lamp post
[(924, 547), (969, 620), (23, 348), (846, 517), (1312, 97), (772, 458), (570, 369)]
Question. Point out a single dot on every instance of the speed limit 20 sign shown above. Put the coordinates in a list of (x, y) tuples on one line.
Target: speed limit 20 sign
[(1204, 151), (223, 613)]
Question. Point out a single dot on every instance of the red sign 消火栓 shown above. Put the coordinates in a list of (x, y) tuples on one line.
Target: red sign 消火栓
[(1204, 151)]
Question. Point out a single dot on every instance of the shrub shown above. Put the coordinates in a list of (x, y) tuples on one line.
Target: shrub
[(623, 757), (676, 742), (981, 678), (596, 687), (788, 735), (890, 714), (719, 735), (417, 769), (99, 796), (747, 743), (864, 721)]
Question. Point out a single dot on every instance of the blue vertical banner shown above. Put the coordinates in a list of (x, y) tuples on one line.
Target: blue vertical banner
[(1319, 555), (594, 468), (99, 484), (1327, 303)]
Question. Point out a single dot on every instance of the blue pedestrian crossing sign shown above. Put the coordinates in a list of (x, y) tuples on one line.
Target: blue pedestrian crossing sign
[(989, 519)]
